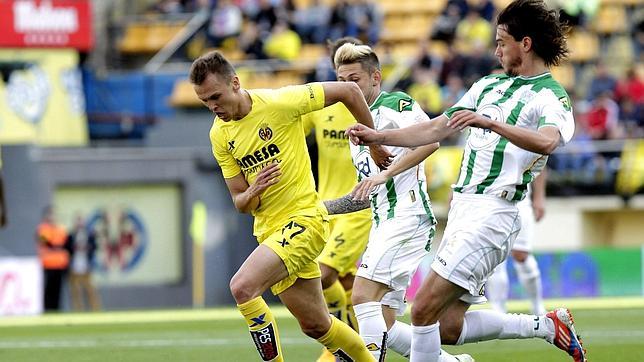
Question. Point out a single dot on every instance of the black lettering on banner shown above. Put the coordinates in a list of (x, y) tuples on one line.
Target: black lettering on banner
[(266, 342)]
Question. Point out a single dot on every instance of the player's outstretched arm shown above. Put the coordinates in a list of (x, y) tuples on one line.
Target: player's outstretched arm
[(420, 134), (350, 94), (247, 197), (345, 205), (362, 190), (544, 141)]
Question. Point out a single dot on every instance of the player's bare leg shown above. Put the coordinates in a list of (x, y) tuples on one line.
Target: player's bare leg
[(304, 300)]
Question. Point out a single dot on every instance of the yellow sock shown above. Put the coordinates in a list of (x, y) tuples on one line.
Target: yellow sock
[(352, 321), (345, 343), (336, 300), (263, 329)]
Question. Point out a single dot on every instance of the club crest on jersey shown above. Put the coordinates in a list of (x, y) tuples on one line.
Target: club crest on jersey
[(403, 104), (265, 132), (565, 101), (482, 138)]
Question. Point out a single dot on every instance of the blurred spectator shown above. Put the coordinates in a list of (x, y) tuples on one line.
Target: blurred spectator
[(81, 244), (462, 5), (576, 12), (311, 21), (426, 91), (283, 43), (225, 22), (638, 35), (473, 31), (479, 62), (250, 42), (51, 238), (339, 23), (168, 7), (601, 82), (630, 96), (452, 91), (601, 120), (445, 26), (485, 8), (367, 20), (267, 16)]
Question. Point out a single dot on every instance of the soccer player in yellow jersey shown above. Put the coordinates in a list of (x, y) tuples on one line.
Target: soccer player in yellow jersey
[(349, 233), (258, 140)]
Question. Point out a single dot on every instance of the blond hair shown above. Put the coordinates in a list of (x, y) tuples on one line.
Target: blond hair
[(351, 53)]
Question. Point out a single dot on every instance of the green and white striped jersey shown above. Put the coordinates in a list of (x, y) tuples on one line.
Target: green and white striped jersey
[(406, 193), (491, 164)]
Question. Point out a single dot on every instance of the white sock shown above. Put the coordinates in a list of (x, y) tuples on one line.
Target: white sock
[(497, 287), (426, 343), (484, 325), (399, 338), (530, 278), (373, 329)]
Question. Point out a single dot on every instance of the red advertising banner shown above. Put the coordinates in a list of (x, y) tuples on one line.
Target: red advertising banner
[(46, 23)]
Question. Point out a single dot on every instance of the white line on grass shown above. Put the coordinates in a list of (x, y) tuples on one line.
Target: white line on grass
[(626, 336)]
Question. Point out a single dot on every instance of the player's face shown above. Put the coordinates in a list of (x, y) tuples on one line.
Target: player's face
[(368, 83), (219, 95), (508, 51)]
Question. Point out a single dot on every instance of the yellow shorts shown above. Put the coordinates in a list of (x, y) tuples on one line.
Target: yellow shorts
[(298, 243), (347, 241)]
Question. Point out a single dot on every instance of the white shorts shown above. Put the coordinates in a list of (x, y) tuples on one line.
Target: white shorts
[(479, 235), (395, 249), (526, 235)]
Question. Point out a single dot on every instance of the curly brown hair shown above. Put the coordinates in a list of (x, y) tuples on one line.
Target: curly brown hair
[(533, 19)]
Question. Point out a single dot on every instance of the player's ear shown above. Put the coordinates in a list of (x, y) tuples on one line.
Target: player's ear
[(376, 77), (235, 83), (526, 43)]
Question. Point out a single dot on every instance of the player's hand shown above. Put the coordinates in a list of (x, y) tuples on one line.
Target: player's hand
[(539, 209), (464, 118), (381, 156), (267, 176), (364, 188), (359, 134)]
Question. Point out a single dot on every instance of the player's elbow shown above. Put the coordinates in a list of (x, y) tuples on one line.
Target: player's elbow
[(548, 147)]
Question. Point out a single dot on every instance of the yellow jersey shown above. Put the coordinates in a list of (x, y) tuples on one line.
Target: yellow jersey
[(272, 132), (337, 175)]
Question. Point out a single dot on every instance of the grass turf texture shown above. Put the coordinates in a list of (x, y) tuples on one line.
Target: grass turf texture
[(612, 330)]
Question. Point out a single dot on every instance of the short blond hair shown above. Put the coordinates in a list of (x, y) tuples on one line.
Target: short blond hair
[(351, 53)]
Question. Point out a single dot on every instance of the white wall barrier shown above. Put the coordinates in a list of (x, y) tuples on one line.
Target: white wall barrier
[(21, 286)]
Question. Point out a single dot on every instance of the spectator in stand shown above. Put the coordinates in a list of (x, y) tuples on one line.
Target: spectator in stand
[(474, 31), (630, 96), (445, 26), (478, 62), (602, 118), (367, 20), (225, 22), (602, 81), (50, 239), (454, 63), (283, 43), (577, 12), (340, 24), (485, 8), (311, 21), (426, 91), (250, 42), (81, 244), (267, 16)]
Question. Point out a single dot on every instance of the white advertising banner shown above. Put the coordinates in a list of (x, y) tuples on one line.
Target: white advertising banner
[(21, 286)]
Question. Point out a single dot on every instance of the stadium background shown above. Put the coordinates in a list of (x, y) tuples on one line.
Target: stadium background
[(97, 117)]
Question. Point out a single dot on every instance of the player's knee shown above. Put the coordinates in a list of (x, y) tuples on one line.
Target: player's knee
[(315, 327), (422, 313), (241, 290), (329, 276)]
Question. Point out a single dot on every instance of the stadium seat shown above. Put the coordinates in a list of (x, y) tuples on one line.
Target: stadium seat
[(610, 19), (183, 95), (142, 38), (565, 74), (584, 46)]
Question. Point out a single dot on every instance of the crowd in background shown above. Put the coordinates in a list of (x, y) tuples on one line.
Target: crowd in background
[(608, 98)]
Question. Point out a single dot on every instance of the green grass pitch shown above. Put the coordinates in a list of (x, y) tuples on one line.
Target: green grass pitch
[(612, 330)]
